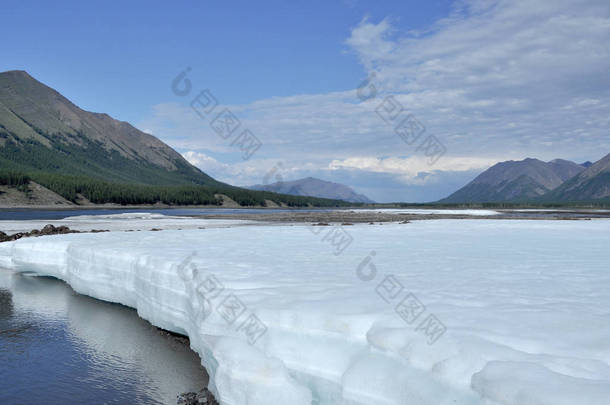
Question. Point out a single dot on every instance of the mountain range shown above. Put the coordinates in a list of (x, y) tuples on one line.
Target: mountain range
[(313, 187), (532, 180), (48, 141)]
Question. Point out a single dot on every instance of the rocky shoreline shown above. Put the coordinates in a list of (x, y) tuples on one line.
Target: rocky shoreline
[(46, 230), (203, 397)]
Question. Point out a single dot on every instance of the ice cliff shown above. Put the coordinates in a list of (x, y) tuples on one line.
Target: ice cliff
[(432, 312)]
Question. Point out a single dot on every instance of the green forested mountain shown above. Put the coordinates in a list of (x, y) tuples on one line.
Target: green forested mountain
[(46, 138), (42, 130)]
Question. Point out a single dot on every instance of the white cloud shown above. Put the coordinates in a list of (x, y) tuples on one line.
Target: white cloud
[(204, 162), (247, 173), (500, 73), (413, 170), (495, 80), (371, 42)]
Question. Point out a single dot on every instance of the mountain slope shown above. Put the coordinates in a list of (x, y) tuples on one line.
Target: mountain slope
[(590, 184), (516, 181), (46, 140), (42, 130), (313, 187)]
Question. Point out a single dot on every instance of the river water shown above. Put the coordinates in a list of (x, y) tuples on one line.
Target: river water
[(20, 214), (59, 347)]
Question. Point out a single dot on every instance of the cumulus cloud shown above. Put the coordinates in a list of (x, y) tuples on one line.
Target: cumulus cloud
[(205, 162), (413, 170), (251, 172), (494, 80)]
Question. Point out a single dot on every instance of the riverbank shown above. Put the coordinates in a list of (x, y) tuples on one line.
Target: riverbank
[(297, 215), (347, 217)]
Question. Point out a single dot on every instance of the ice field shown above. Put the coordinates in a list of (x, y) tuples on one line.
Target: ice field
[(431, 312), (135, 221)]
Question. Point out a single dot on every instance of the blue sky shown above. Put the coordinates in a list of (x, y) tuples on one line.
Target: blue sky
[(118, 57), (490, 79)]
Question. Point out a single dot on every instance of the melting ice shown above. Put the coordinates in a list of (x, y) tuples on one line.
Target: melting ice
[(431, 312)]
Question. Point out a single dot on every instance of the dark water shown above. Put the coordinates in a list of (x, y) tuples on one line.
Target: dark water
[(23, 214), (59, 347), (35, 214), (557, 214)]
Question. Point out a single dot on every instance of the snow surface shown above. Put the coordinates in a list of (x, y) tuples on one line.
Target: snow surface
[(426, 211), (525, 305), (132, 221), (560, 210)]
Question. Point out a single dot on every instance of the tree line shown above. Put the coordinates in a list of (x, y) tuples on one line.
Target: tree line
[(73, 188)]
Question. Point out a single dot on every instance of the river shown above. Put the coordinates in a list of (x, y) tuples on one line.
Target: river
[(60, 347)]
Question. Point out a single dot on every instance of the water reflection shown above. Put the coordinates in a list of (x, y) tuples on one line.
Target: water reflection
[(6, 303), (59, 347)]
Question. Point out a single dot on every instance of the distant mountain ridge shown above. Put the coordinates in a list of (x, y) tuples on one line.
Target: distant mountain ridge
[(42, 130), (313, 187), (535, 180), (590, 184)]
